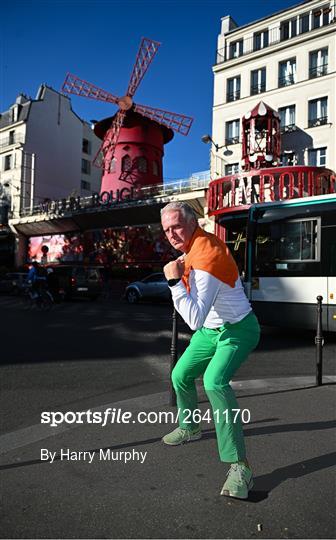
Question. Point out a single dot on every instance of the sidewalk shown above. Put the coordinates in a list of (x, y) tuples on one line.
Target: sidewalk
[(174, 493)]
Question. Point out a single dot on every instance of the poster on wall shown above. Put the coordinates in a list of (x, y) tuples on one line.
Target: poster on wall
[(61, 248)]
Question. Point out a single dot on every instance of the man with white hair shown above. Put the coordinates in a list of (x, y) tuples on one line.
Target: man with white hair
[(208, 293)]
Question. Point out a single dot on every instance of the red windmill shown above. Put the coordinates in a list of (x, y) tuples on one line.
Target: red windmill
[(133, 139)]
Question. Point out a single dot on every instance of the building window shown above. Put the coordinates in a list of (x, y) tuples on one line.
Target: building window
[(85, 185), (113, 165), (304, 23), (287, 118), (15, 112), (126, 163), (318, 63), (232, 132), (321, 17), (232, 168), (318, 112), (258, 81), (260, 40), (288, 29), (233, 89), (86, 146), (287, 72), (236, 49), (11, 137), (289, 159), (155, 168), (317, 157), (86, 166), (8, 162), (142, 164)]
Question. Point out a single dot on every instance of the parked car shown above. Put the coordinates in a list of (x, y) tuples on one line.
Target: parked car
[(153, 287), (78, 281), (13, 283)]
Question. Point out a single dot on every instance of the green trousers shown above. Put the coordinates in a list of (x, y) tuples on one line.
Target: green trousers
[(217, 354)]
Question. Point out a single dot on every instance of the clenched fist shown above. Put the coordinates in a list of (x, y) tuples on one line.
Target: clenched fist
[(174, 269)]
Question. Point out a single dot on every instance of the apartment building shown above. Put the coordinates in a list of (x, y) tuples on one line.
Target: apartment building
[(288, 61), (46, 152)]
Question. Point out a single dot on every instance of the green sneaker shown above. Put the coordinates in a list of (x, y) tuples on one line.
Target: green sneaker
[(180, 436), (239, 481)]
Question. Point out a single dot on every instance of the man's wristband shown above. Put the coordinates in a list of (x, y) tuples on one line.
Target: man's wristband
[(172, 282)]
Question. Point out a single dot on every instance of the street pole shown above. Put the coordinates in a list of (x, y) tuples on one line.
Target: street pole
[(173, 356), (319, 342), (32, 185), (12, 198)]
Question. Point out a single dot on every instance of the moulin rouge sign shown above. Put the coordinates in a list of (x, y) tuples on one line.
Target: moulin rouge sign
[(268, 185), (106, 198)]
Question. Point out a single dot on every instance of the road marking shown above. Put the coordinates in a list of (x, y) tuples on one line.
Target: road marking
[(38, 432), (280, 383)]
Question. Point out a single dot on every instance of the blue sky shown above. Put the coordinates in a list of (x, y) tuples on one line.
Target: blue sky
[(98, 39)]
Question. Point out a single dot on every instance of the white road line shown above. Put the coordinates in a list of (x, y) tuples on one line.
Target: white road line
[(38, 432)]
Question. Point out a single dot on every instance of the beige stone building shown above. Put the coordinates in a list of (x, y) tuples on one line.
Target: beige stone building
[(46, 152), (287, 60)]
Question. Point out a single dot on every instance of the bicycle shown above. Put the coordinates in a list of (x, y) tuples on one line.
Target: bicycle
[(40, 298)]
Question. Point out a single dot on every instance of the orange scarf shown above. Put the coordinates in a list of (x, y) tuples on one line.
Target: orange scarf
[(207, 252)]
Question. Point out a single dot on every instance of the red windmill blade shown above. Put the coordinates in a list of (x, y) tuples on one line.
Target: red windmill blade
[(79, 87), (147, 50), (177, 122)]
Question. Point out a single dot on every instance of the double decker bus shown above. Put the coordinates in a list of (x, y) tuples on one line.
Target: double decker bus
[(291, 259)]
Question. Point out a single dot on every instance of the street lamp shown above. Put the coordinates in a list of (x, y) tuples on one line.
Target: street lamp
[(206, 139), (12, 187)]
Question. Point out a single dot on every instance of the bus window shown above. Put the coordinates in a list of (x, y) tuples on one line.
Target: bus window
[(286, 246), (329, 251), (235, 239)]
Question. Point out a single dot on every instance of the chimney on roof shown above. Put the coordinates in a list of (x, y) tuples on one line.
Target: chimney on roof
[(228, 24), (21, 99)]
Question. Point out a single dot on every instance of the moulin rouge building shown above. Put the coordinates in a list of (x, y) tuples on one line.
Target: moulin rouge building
[(273, 136)]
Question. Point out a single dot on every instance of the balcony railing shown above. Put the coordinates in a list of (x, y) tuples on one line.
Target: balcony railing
[(275, 36), (10, 140), (288, 128), (258, 89), (286, 81), (232, 140), (233, 96), (318, 71), (314, 122), (195, 182)]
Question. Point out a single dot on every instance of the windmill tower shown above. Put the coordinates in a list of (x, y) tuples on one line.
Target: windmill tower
[(132, 140)]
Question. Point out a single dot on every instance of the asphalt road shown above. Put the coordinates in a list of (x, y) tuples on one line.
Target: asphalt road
[(88, 355)]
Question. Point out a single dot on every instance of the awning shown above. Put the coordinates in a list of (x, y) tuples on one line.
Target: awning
[(131, 213)]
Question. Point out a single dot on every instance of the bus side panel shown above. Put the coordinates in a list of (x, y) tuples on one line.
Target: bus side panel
[(331, 304), (289, 301), (289, 315), (290, 289)]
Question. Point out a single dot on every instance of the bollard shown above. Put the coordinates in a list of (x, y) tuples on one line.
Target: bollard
[(319, 342), (173, 356)]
